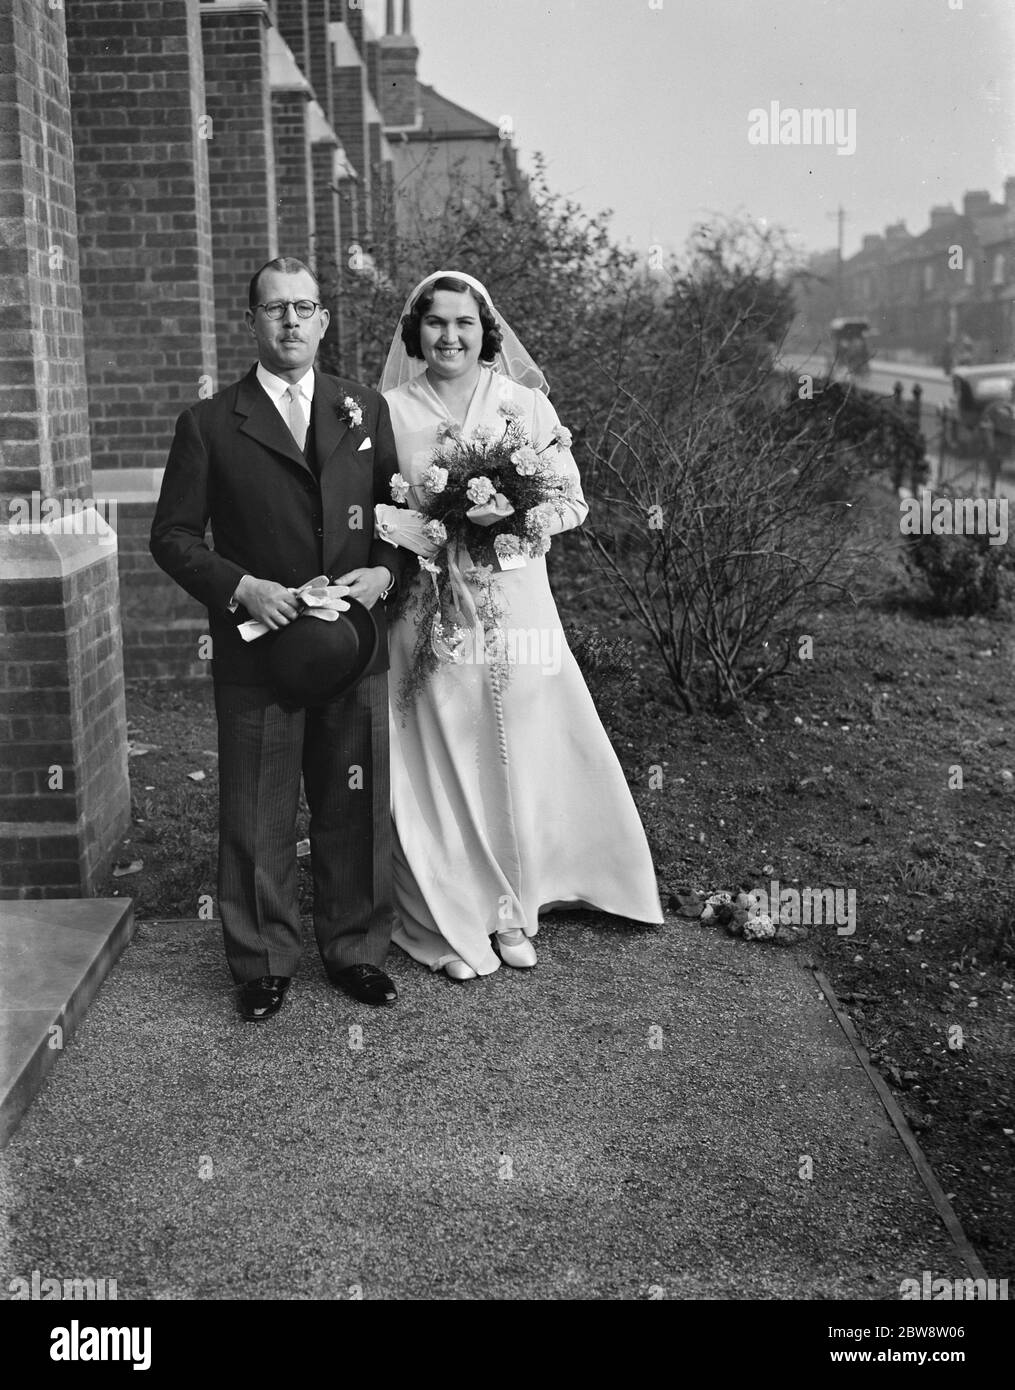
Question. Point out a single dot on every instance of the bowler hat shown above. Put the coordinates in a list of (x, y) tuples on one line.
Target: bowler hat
[(312, 662)]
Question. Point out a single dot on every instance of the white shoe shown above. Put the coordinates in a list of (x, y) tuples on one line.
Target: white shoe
[(458, 970), (516, 949)]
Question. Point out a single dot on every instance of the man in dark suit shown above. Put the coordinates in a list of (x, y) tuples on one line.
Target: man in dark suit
[(287, 465)]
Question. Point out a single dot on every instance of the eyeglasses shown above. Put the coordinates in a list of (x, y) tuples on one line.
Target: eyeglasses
[(305, 308)]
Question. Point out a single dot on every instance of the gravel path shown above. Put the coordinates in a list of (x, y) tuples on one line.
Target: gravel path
[(514, 1137)]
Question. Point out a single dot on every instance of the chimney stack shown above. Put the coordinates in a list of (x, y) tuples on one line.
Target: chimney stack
[(976, 203), (397, 88)]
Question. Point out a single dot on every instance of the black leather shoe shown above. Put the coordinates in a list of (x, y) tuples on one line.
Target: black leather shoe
[(365, 983), (261, 998)]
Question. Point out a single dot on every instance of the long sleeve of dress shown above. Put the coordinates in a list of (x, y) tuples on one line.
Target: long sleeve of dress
[(545, 421)]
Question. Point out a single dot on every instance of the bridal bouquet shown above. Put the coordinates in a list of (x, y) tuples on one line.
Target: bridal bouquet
[(488, 503)]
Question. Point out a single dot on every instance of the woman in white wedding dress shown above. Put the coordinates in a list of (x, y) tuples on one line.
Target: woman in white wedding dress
[(502, 808)]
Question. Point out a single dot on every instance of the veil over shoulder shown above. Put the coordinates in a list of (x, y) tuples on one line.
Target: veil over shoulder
[(512, 360)]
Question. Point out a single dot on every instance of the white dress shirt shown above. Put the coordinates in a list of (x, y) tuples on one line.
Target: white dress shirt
[(276, 389)]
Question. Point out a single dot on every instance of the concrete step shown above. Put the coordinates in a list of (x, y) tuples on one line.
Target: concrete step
[(54, 955)]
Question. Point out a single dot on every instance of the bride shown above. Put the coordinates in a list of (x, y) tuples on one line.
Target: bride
[(507, 801)]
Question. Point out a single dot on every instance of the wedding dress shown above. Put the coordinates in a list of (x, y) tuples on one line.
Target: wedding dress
[(512, 805)]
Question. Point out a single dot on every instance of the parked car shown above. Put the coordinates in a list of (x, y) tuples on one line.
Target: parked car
[(980, 418)]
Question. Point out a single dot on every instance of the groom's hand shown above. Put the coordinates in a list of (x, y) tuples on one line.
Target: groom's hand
[(366, 585), (268, 602)]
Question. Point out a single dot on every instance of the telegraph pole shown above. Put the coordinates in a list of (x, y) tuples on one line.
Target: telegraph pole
[(840, 217)]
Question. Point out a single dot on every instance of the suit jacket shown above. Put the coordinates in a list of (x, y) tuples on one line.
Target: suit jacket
[(234, 462)]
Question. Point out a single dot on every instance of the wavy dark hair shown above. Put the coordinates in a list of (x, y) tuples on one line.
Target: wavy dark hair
[(424, 301)]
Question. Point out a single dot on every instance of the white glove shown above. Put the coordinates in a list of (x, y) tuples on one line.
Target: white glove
[(326, 603), (486, 513)]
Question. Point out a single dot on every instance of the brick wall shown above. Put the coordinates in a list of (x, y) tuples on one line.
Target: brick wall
[(64, 778), (39, 295), (294, 181), (350, 103), (64, 794), (241, 169), (350, 228), (162, 625), (144, 220), (320, 14), (293, 20), (327, 228), (371, 61), (352, 17)]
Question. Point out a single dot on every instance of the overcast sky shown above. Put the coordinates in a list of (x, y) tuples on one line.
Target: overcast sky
[(646, 109)]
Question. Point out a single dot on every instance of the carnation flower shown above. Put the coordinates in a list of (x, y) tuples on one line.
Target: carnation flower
[(354, 411), (436, 532), (479, 490), (399, 489), (483, 435), (510, 410), (450, 429), (435, 479), (526, 461), (759, 928), (562, 437), (506, 546)]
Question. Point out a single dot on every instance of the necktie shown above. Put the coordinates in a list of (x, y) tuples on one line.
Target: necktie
[(297, 418)]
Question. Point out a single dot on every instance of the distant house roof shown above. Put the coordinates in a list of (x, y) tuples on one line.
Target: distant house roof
[(441, 119)]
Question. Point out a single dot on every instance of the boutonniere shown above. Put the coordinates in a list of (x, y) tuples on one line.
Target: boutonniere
[(352, 412)]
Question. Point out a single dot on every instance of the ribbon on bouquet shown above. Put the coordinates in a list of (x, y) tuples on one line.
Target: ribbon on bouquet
[(318, 598), (404, 526)]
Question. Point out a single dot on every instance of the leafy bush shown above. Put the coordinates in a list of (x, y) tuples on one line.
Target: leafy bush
[(869, 433), (963, 574), (606, 664), (721, 511)]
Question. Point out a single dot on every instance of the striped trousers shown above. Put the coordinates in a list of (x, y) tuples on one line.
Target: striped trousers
[(341, 752)]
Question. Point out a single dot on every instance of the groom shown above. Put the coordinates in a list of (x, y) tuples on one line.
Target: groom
[(287, 465)]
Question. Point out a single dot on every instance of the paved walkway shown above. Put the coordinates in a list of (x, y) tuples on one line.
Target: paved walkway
[(516, 1137)]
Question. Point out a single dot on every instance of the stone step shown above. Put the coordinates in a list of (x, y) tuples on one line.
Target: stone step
[(54, 955)]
